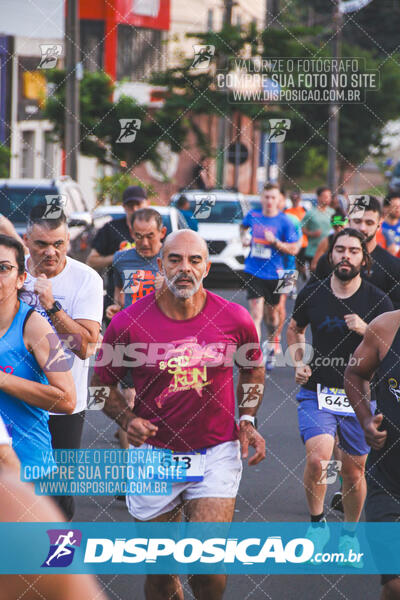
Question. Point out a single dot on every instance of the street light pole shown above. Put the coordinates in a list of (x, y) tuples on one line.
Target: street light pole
[(222, 121), (334, 108), (72, 72)]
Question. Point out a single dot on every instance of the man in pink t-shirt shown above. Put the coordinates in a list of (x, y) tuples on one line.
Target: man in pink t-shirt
[(182, 342)]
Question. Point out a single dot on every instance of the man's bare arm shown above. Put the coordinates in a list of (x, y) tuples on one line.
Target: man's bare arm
[(115, 406), (256, 377), (366, 359), (98, 261)]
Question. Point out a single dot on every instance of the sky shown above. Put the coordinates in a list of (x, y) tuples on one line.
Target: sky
[(32, 18)]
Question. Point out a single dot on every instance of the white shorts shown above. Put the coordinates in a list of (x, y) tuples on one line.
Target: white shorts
[(222, 474)]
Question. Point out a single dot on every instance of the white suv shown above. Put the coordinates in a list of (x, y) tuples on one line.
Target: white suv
[(219, 214)]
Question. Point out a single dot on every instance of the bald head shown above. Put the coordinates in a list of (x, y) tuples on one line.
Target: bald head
[(184, 263), (185, 237)]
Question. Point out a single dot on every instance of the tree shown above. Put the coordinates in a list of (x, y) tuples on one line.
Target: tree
[(4, 161), (100, 121)]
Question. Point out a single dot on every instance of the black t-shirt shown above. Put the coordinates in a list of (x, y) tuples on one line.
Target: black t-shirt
[(108, 240), (385, 273), (332, 341), (385, 463)]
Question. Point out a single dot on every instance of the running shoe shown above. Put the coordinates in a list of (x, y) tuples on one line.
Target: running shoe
[(319, 534), (349, 546), (337, 501), (277, 345), (269, 355)]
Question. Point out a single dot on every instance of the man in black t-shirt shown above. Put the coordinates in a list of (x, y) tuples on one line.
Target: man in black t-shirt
[(338, 313), (114, 236), (385, 268)]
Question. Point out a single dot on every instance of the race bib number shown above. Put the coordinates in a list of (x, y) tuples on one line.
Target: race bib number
[(183, 466), (334, 400), (260, 251)]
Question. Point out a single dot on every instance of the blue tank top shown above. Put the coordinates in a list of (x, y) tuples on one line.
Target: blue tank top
[(26, 424)]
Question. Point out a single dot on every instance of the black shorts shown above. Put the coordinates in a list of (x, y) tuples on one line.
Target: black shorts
[(381, 505), (262, 288), (301, 257)]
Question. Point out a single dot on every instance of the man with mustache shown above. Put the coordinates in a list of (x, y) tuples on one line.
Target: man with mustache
[(338, 314), (185, 398), (385, 268)]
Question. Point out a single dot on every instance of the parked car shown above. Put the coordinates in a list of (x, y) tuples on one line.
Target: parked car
[(19, 196), (394, 183), (220, 227)]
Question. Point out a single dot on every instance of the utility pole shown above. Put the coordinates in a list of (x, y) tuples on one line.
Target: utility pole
[(73, 74), (334, 108), (271, 150), (222, 121)]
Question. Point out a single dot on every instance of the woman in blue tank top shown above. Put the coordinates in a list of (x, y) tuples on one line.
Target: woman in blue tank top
[(27, 389)]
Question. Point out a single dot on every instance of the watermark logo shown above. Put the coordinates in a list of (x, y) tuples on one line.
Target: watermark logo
[(287, 281), (97, 397), (61, 356), (129, 129), (204, 204), (131, 281), (55, 205), (279, 129), (357, 206), (330, 471), (394, 388), (63, 543), (202, 56), (252, 395), (297, 80), (50, 55)]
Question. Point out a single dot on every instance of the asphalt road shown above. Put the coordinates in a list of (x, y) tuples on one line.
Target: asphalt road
[(271, 491)]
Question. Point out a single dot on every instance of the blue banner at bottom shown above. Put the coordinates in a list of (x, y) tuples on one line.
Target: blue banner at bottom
[(247, 548)]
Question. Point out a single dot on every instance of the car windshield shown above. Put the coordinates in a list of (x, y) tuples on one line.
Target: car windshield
[(17, 203), (221, 212)]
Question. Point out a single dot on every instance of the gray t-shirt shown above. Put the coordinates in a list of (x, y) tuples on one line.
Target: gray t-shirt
[(135, 274)]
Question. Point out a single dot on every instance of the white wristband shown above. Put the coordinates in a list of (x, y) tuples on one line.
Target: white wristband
[(249, 418)]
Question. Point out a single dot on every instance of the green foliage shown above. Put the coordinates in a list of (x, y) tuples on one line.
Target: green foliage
[(4, 161), (100, 126), (111, 187)]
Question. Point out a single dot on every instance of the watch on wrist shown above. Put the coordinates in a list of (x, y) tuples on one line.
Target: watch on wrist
[(55, 308), (250, 419)]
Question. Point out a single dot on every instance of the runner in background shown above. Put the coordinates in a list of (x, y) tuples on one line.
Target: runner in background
[(136, 274), (391, 224), (338, 222), (183, 205), (289, 265), (316, 224), (385, 268), (113, 236), (273, 236), (298, 211)]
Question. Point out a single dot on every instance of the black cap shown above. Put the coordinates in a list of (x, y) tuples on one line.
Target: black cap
[(132, 193)]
